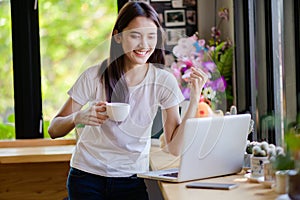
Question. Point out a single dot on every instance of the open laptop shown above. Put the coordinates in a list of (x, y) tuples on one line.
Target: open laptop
[(213, 146)]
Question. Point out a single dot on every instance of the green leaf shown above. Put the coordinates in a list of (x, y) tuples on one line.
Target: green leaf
[(11, 118), (7, 131), (283, 162), (292, 141)]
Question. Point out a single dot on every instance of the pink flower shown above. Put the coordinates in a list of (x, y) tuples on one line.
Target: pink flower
[(210, 66), (215, 33), (187, 62), (219, 84), (201, 42), (224, 14), (184, 48), (195, 52), (186, 75), (176, 70)]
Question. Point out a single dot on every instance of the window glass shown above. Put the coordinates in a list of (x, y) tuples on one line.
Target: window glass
[(73, 36), (7, 130)]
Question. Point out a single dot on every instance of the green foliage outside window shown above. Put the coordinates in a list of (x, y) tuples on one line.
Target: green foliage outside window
[(73, 36), (7, 130)]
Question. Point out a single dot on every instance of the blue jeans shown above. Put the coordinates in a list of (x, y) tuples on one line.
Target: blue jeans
[(85, 186)]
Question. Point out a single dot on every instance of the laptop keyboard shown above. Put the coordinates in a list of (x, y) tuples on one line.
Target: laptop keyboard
[(174, 174)]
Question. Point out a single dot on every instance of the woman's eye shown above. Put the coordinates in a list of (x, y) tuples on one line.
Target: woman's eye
[(134, 36), (152, 36)]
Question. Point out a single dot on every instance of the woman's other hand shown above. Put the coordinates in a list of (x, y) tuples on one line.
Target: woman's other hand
[(94, 115), (196, 82)]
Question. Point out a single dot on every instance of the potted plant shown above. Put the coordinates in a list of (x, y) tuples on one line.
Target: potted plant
[(292, 141), (260, 155), (283, 161), (248, 153), (287, 166)]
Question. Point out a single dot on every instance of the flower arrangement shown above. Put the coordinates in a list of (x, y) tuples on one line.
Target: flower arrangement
[(214, 58)]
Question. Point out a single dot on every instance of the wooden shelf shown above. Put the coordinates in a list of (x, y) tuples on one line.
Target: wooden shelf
[(36, 150), (36, 142), (35, 168)]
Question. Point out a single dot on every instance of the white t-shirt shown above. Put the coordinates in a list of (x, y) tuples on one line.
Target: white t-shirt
[(121, 149)]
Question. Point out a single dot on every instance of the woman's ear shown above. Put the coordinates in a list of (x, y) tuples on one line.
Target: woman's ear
[(117, 36)]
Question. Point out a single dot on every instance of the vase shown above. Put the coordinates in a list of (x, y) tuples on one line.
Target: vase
[(257, 166), (294, 184), (269, 173), (281, 181), (246, 163)]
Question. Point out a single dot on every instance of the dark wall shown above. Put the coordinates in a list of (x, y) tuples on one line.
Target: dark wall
[(177, 20)]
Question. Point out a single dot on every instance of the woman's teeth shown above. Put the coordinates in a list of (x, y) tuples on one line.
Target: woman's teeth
[(140, 52)]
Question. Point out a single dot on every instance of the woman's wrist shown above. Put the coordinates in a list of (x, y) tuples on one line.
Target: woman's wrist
[(192, 108), (74, 119), (194, 100)]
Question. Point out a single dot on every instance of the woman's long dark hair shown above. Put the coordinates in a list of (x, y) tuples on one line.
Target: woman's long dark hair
[(112, 70)]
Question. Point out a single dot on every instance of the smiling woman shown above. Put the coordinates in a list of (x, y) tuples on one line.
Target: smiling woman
[(134, 73)]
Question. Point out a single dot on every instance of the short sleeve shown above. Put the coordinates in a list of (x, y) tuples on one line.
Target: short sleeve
[(84, 88), (170, 94)]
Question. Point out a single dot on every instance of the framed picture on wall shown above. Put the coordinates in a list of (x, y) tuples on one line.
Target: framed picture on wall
[(189, 3), (146, 1), (174, 34), (174, 18), (191, 17), (160, 0), (177, 3)]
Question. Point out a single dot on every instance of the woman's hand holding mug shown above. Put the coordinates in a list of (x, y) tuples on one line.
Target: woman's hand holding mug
[(94, 115)]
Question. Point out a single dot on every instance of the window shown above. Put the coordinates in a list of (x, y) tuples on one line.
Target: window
[(73, 35), (7, 129), (266, 35)]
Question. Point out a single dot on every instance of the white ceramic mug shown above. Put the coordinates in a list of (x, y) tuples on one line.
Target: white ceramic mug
[(117, 111)]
